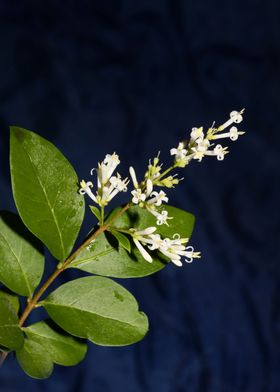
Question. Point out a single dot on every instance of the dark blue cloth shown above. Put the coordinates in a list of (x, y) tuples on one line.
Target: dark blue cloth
[(134, 77)]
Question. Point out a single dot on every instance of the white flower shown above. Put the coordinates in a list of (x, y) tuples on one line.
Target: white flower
[(197, 135), (181, 157), (162, 216), (85, 189), (218, 151), (140, 196), (235, 117), (175, 249), (155, 241), (133, 177), (116, 185), (139, 236), (180, 152), (190, 254), (119, 184), (158, 198), (232, 134), (149, 187), (142, 250), (200, 150), (108, 186), (106, 168)]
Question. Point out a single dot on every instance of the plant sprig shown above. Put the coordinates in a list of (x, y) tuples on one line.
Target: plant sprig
[(134, 240)]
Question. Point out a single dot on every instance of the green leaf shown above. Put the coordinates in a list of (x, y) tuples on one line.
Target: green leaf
[(21, 256), (34, 360), (12, 298), (95, 212), (63, 349), (45, 191), (11, 335), (122, 240), (104, 258), (98, 309)]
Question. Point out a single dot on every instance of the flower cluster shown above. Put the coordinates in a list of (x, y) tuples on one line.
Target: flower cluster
[(174, 249), (146, 197), (144, 194), (200, 144), (108, 186)]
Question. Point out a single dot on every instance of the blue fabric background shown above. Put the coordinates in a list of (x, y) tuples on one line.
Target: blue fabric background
[(134, 77)]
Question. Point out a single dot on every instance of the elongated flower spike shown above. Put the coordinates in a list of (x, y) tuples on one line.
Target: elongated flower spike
[(174, 249), (199, 144)]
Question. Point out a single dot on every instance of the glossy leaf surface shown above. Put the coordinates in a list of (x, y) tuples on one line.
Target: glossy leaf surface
[(45, 188), (98, 309)]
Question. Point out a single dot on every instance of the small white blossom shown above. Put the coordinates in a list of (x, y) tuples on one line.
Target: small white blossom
[(200, 150), (175, 249), (108, 186), (139, 236), (219, 151), (162, 217), (180, 152), (149, 187), (232, 134), (235, 117), (138, 196), (197, 135), (106, 168), (119, 184), (133, 177), (85, 189), (190, 254), (181, 157), (155, 241), (158, 198), (116, 185)]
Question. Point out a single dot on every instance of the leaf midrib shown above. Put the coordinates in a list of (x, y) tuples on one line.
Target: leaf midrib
[(47, 200), (36, 334), (92, 313)]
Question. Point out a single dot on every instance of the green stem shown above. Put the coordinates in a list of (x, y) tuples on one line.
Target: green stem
[(120, 230), (166, 172), (102, 216)]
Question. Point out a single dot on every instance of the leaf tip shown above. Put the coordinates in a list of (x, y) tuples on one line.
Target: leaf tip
[(18, 133)]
